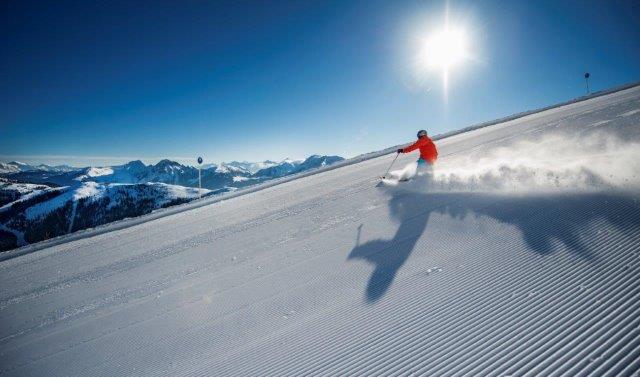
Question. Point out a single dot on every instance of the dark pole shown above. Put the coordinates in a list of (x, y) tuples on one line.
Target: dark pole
[(389, 168), (199, 178), (586, 79)]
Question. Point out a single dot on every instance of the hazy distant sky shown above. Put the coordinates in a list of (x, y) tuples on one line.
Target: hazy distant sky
[(240, 80)]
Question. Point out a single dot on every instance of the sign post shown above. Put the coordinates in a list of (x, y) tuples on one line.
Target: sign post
[(199, 178), (586, 79)]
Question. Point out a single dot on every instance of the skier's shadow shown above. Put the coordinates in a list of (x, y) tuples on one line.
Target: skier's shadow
[(547, 222), (389, 255)]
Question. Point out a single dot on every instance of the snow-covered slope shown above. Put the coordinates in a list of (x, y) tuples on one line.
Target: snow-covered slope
[(11, 191), (520, 258), (32, 213)]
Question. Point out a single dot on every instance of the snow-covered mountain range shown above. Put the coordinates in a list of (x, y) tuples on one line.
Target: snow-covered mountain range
[(214, 176), (40, 202), (16, 167), (31, 213)]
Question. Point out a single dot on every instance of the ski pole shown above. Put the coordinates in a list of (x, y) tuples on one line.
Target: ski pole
[(389, 168)]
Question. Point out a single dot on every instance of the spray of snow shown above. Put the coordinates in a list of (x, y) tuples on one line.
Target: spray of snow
[(552, 163), (408, 172)]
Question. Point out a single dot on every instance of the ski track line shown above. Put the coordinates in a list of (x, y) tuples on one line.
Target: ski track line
[(502, 360), (556, 332), (587, 344), (400, 347), (373, 368), (547, 334), (632, 369), (492, 336), (624, 346)]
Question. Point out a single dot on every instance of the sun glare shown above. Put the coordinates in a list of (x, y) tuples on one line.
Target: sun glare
[(444, 49)]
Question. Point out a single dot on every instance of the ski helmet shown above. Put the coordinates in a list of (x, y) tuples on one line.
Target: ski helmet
[(422, 133)]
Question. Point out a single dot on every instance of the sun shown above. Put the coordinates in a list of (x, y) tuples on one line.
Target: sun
[(444, 49), (441, 50)]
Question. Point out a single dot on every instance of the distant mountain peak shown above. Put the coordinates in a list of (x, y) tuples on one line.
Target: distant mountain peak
[(17, 166), (135, 165), (167, 162), (289, 161)]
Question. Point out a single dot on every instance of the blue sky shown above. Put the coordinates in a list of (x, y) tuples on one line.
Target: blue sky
[(106, 82)]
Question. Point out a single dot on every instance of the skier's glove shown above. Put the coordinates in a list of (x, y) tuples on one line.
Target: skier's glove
[(400, 150)]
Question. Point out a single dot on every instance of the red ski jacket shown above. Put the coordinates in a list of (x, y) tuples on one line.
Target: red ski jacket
[(428, 151)]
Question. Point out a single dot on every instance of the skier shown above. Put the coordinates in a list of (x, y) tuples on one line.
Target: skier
[(428, 150), (428, 156)]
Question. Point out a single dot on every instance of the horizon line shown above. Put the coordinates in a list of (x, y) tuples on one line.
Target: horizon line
[(41, 159)]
